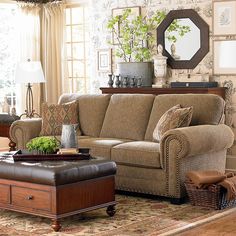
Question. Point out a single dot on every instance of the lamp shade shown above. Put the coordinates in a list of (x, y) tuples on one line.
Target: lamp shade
[(29, 72)]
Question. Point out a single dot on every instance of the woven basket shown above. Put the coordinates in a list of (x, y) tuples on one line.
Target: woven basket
[(212, 197)]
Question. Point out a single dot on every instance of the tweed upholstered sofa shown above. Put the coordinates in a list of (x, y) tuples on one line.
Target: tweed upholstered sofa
[(120, 128)]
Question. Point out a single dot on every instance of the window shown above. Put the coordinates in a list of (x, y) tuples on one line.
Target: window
[(77, 36), (8, 57)]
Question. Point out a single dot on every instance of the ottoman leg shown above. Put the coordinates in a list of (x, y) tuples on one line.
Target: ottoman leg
[(56, 225), (111, 210)]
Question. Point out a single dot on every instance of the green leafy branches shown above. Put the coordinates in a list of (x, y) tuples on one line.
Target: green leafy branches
[(43, 144), (176, 27), (134, 35)]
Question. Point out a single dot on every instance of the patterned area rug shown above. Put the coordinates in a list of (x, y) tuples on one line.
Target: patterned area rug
[(134, 216)]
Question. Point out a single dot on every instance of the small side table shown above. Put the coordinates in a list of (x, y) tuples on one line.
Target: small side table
[(5, 122)]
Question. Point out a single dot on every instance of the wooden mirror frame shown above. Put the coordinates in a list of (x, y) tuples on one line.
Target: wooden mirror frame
[(204, 38)]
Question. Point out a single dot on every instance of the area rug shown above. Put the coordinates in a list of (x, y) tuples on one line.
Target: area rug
[(134, 216)]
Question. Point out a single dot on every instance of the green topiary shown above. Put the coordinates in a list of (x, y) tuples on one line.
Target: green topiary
[(45, 145)]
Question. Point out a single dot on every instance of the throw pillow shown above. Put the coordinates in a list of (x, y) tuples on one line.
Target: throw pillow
[(54, 115), (174, 118)]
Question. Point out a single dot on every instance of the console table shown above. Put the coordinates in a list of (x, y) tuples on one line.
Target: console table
[(220, 91)]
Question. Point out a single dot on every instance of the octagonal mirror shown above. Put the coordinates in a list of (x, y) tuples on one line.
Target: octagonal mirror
[(184, 48), (181, 49)]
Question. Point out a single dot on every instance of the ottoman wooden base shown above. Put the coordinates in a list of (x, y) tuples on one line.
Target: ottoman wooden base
[(56, 202)]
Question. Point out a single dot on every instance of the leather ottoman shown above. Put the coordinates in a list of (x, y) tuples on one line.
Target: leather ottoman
[(56, 189)]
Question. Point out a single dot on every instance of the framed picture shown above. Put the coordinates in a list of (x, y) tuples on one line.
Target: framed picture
[(224, 52), (135, 11), (224, 17), (104, 60)]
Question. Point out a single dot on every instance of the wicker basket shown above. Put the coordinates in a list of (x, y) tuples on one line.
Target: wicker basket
[(212, 197)]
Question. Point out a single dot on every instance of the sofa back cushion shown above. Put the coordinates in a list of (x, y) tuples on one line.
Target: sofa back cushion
[(127, 116), (92, 110), (207, 109)]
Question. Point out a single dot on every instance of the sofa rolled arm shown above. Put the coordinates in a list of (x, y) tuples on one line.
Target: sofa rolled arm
[(21, 131), (196, 140)]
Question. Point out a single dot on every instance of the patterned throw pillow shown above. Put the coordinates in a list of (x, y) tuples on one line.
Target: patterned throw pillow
[(174, 118), (54, 116)]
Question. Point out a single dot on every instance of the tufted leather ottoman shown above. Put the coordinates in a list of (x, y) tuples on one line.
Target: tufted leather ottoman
[(56, 189)]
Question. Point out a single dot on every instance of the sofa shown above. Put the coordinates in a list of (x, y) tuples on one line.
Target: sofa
[(120, 127)]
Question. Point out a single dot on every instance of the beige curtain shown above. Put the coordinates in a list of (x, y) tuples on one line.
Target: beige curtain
[(28, 24), (52, 48)]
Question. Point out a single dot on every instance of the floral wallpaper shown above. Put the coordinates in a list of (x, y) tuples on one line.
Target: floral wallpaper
[(100, 11)]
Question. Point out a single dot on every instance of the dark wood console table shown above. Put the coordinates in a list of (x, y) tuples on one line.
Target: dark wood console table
[(220, 91)]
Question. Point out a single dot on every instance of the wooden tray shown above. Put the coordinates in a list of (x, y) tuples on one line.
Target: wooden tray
[(23, 155)]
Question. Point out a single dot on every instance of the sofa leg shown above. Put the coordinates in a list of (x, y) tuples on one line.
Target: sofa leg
[(12, 146), (178, 201)]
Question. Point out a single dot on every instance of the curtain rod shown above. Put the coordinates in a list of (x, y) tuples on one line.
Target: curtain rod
[(38, 1)]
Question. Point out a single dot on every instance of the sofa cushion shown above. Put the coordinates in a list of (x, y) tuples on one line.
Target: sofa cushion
[(92, 109), (53, 116), (100, 147), (138, 153), (207, 109), (127, 116), (175, 117)]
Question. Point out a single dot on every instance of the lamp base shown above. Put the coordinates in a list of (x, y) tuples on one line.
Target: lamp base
[(29, 111)]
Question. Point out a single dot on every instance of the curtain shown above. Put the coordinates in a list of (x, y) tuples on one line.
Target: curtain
[(53, 49), (28, 24)]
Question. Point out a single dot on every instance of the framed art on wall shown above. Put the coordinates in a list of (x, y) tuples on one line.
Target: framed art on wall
[(224, 52), (224, 17), (104, 63), (135, 11)]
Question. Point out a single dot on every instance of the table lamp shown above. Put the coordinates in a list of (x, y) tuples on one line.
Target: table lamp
[(29, 72)]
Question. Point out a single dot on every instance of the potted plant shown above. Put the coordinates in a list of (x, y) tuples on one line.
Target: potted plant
[(136, 42), (43, 145)]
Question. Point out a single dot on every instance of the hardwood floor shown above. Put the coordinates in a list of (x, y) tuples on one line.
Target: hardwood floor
[(225, 226)]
